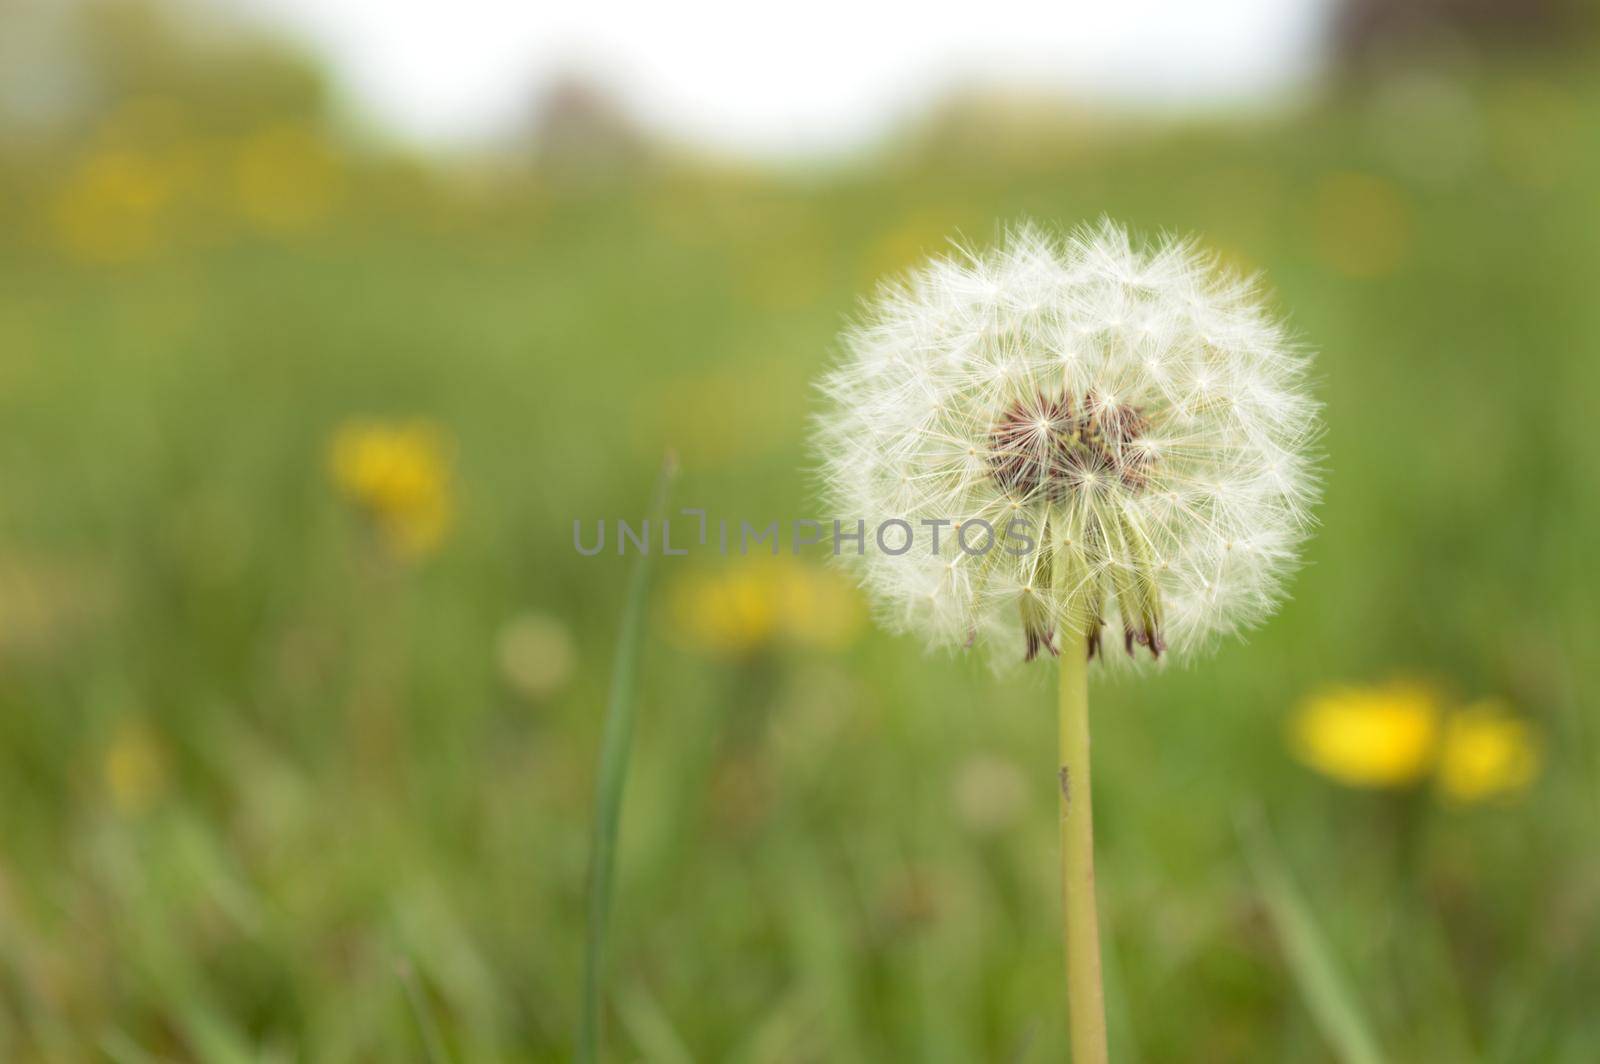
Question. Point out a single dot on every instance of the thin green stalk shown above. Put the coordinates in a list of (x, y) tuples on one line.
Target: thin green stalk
[(427, 1027), (615, 743), (1086, 1011), (1326, 995)]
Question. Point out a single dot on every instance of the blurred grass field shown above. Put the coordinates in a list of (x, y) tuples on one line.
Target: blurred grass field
[(255, 766)]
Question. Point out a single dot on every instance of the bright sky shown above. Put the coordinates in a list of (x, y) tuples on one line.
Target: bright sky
[(790, 78)]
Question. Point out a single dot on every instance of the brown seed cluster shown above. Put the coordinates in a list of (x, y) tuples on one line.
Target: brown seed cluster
[(1054, 444)]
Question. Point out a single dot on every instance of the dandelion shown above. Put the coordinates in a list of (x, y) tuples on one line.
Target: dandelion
[(110, 208), (286, 178), (1131, 425), (1137, 416), (398, 475), (1486, 752), (729, 614), (1403, 733), (1374, 737), (741, 610)]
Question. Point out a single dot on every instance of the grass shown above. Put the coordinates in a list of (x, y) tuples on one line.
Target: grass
[(1310, 959), (840, 852), (615, 747)]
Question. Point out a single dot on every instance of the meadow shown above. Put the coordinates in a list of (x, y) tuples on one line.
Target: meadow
[(283, 777)]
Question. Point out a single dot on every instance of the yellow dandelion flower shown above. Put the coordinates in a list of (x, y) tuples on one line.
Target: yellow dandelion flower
[(109, 209), (399, 475), (726, 613), (818, 607), (287, 179), (1486, 752), (757, 602), (1382, 736)]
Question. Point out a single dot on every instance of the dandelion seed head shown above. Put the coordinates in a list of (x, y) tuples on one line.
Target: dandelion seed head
[(1137, 409)]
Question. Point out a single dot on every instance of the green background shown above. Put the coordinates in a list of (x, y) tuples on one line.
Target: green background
[(347, 789)]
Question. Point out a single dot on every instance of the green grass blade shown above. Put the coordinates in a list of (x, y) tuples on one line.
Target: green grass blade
[(1332, 1005), (427, 1026), (213, 1038), (653, 1033), (615, 743), (120, 1049)]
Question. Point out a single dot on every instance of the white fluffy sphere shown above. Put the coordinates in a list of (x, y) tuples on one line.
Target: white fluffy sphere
[(1132, 426)]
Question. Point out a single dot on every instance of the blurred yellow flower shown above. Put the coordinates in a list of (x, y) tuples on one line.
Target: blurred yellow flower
[(135, 769), (287, 179), (1485, 752), (820, 607), (1381, 736), (399, 475), (109, 208), (757, 602), (725, 613)]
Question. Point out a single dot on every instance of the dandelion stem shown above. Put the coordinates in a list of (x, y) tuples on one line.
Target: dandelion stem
[(1086, 1010)]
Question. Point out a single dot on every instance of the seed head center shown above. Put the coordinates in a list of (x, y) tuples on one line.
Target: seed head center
[(1060, 445)]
